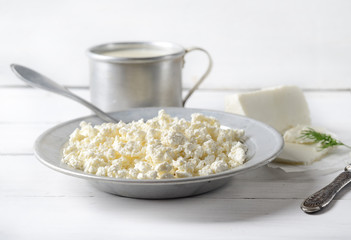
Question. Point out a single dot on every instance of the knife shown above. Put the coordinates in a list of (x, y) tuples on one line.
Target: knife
[(323, 197)]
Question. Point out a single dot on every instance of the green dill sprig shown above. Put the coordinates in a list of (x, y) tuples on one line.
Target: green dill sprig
[(325, 140)]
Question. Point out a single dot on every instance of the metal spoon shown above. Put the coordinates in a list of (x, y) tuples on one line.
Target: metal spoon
[(38, 80)]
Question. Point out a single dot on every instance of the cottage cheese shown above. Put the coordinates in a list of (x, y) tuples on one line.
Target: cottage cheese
[(160, 148)]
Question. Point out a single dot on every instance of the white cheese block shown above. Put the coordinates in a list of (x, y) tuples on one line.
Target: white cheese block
[(281, 107), (300, 154), (293, 135), (297, 150)]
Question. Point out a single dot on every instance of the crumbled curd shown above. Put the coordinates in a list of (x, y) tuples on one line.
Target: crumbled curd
[(160, 148)]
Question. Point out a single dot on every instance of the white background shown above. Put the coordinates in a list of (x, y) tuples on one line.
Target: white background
[(253, 43)]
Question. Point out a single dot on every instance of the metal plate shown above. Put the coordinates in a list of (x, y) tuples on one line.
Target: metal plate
[(264, 144)]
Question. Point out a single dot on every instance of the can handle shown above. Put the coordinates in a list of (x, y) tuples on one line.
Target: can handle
[(202, 78)]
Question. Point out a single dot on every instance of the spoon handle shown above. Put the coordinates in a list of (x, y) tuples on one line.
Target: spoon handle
[(323, 197), (38, 80)]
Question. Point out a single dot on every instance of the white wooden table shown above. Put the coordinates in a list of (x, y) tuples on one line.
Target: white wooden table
[(39, 203)]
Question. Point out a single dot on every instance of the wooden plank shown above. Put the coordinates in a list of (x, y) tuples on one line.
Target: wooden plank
[(28, 112), (189, 218), (28, 105), (31, 105), (19, 138), (263, 183)]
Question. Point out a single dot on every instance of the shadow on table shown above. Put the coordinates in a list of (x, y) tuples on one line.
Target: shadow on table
[(257, 194)]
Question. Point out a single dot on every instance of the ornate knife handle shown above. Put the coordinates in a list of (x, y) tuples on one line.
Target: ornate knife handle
[(323, 197)]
